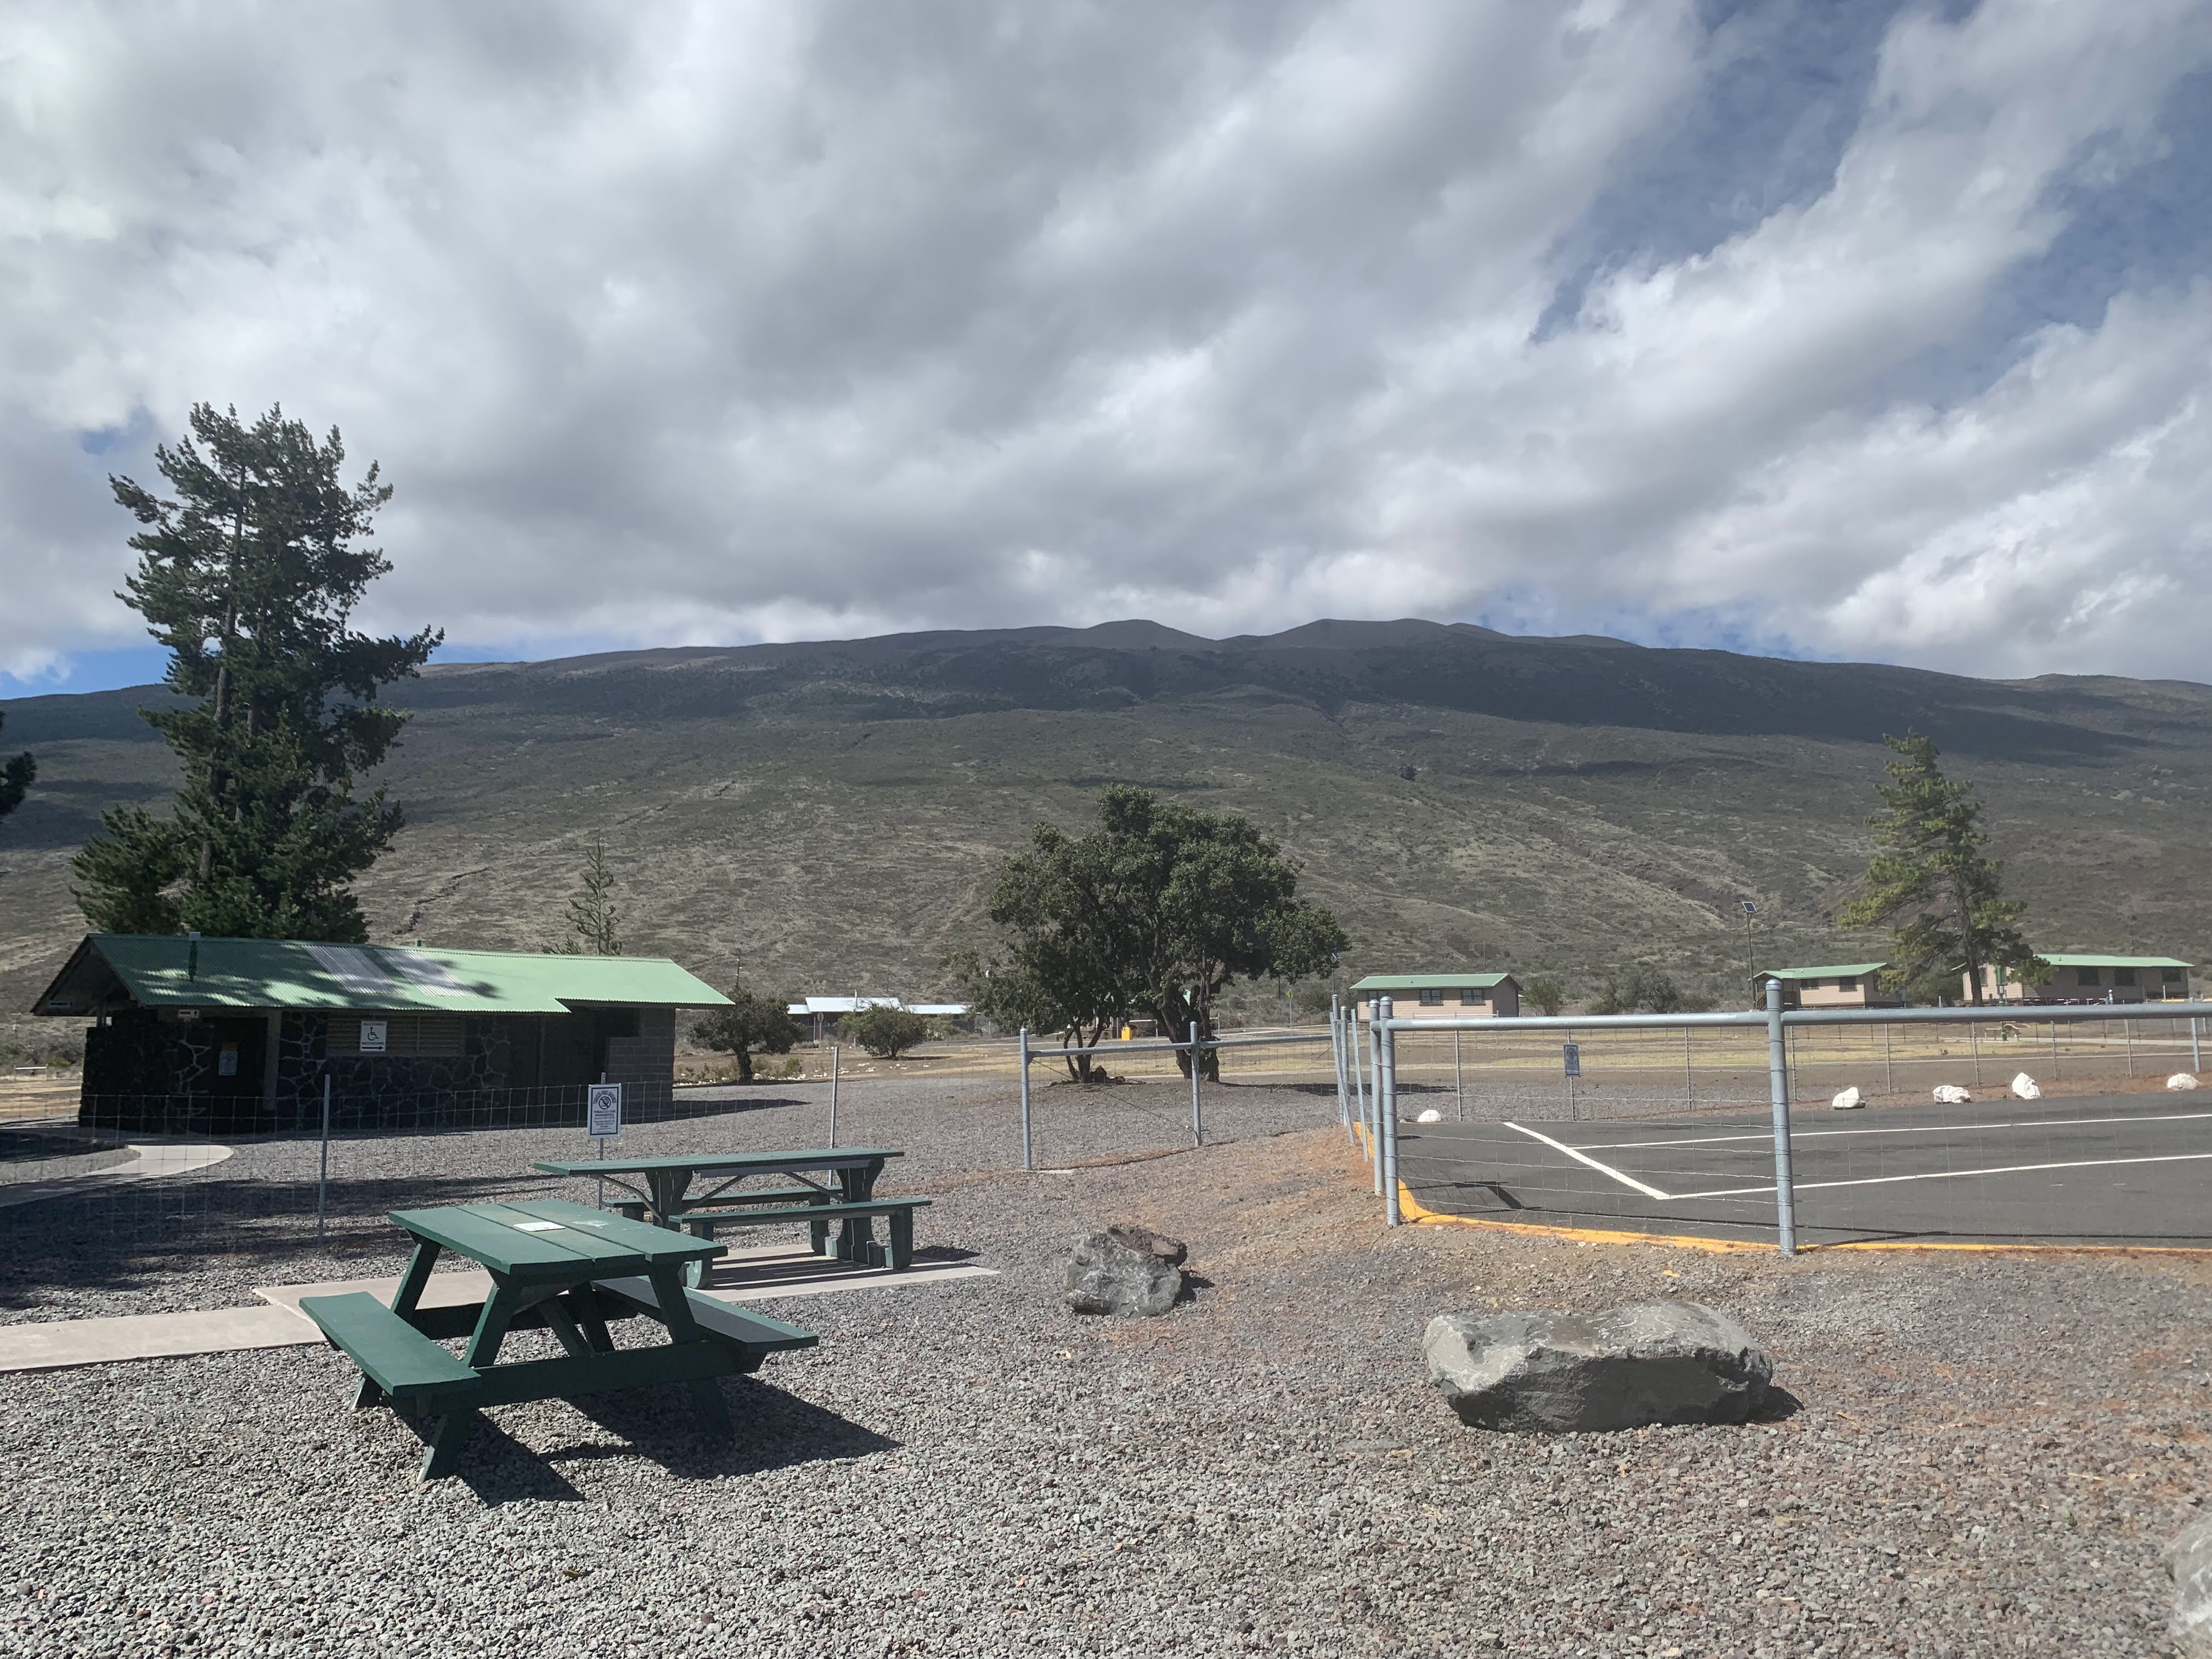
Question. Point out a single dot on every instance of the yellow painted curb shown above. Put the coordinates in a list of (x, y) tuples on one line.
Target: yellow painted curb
[(1414, 1210)]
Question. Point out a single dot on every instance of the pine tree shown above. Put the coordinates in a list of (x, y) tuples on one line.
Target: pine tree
[(16, 779), (1930, 874), (592, 918), (249, 576)]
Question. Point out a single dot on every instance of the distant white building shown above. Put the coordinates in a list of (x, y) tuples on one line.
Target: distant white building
[(827, 1013)]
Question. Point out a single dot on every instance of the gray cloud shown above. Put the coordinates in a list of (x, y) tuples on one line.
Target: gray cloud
[(725, 323)]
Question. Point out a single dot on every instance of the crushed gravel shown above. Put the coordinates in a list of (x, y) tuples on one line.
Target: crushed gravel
[(1976, 1455)]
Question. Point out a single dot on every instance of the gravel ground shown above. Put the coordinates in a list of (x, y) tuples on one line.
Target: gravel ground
[(1979, 1455)]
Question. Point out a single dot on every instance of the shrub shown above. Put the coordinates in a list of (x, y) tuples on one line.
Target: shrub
[(886, 1033)]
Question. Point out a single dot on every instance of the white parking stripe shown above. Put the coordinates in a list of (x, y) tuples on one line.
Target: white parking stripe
[(1796, 1134), (1628, 1181), (1932, 1174)]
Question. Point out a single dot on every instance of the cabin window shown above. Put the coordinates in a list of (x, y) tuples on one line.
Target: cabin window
[(1472, 996), (2123, 976), (1432, 996), (1847, 983), (2086, 976), (2170, 975)]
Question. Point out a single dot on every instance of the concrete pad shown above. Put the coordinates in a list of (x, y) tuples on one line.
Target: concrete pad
[(766, 1272), (454, 1290), (57, 1345), (750, 1275), (149, 1161)]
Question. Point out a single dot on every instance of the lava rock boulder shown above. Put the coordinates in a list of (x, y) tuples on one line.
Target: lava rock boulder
[(1627, 1368), (2189, 1558), (1125, 1270)]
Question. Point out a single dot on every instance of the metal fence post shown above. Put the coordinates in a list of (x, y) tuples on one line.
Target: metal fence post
[(833, 1096), (1974, 1048), (2196, 1044), (1374, 1004), (1777, 1083), (1888, 1067), (1689, 1074), (1459, 1081), (323, 1181), (1351, 1066), (2128, 1031), (1336, 1053), (1027, 1162), (1197, 1118), (1387, 1105)]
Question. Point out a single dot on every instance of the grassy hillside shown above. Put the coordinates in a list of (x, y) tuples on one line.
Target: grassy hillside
[(830, 815)]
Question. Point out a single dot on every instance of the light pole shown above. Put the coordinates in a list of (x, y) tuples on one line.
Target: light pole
[(1750, 956)]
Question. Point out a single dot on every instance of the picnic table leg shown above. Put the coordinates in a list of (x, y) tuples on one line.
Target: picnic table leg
[(667, 1188), (585, 1308), (695, 1273), (676, 1314), (403, 1303), (856, 1235), (563, 1326), (459, 1424)]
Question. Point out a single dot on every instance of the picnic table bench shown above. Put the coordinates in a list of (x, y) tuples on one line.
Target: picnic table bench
[(554, 1265), (668, 1199)]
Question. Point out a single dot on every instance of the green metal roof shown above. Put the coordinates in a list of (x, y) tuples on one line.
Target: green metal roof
[(1847, 970), (1428, 982), (165, 971), (2075, 959)]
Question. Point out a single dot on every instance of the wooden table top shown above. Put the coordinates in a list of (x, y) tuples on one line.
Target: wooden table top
[(549, 1240)]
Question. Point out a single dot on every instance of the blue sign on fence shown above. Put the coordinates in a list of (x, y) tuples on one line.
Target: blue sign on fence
[(1572, 1052)]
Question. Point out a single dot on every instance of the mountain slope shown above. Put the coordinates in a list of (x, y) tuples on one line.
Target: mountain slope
[(830, 814)]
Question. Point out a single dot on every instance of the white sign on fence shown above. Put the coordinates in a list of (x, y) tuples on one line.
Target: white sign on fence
[(603, 1110), (372, 1035)]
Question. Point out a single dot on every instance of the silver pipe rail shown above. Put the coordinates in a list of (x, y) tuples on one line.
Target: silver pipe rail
[(1753, 1018), (1164, 1047), (1384, 1026)]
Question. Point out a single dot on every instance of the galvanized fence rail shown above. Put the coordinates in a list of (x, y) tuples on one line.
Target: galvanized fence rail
[(1369, 1054)]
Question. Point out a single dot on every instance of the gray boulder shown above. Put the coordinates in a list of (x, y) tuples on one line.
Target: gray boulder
[(2189, 1558), (1125, 1270), (1562, 1373)]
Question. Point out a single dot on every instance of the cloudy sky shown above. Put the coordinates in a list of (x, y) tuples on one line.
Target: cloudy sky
[(1827, 327)]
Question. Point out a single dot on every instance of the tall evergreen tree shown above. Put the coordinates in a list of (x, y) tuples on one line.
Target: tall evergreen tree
[(592, 918), (249, 576), (1931, 878), (15, 778)]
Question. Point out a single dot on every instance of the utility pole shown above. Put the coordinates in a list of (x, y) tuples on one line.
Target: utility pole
[(1750, 956)]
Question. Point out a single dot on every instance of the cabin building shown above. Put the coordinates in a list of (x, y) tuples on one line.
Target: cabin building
[(1441, 996), (1845, 985), (240, 1035), (2086, 976)]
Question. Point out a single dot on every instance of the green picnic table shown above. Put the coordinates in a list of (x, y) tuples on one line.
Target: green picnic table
[(563, 1267), (833, 1184)]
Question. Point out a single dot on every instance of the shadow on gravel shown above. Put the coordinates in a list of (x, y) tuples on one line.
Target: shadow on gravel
[(120, 1238), (773, 1430), (1779, 1406)]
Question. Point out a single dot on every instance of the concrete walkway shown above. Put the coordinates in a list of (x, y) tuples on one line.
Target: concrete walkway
[(152, 1160), (753, 1275)]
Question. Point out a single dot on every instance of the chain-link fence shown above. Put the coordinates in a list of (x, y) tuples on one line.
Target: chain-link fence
[(143, 1178), (2082, 1125)]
